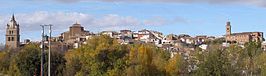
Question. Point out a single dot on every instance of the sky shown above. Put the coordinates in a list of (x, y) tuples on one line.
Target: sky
[(193, 17)]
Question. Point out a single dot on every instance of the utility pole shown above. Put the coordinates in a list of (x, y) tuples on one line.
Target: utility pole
[(49, 54), (42, 47)]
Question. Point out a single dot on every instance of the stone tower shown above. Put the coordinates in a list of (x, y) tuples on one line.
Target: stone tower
[(12, 34), (228, 28)]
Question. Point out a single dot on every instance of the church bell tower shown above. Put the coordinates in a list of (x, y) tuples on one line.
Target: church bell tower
[(228, 28), (12, 34)]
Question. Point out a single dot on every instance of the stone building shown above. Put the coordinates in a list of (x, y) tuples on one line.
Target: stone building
[(12, 34), (242, 37), (75, 34)]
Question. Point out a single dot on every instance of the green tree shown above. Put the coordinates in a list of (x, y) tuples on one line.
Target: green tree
[(251, 51), (57, 63), (215, 62), (13, 69), (28, 60)]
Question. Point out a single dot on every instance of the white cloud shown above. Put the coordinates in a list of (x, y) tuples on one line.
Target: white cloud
[(245, 2), (62, 20), (30, 22)]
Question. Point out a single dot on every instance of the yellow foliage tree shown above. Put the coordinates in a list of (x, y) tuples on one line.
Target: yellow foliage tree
[(173, 65)]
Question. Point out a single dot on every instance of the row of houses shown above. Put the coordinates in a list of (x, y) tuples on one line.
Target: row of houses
[(77, 35)]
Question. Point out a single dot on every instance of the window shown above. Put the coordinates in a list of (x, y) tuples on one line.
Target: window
[(12, 39), (8, 39)]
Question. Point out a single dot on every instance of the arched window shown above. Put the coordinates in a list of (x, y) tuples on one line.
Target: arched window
[(8, 39), (12, 38)]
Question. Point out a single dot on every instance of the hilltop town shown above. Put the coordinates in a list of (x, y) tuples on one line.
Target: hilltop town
[(132, 38), (146, 43), (76, 36)]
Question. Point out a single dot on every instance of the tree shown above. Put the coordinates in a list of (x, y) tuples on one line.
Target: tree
[(173, 66), (215, 62), (28, 60), (104, 56), (147, 60), (101, 55), (57, 63), (260, 62), (73, 64), (6, 56), (4, 61), (252, 50), (13, 69)]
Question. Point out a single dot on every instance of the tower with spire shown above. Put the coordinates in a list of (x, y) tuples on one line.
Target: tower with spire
[(12, 34)]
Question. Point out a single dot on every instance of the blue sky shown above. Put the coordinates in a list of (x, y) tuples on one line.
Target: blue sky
[(193, 17)]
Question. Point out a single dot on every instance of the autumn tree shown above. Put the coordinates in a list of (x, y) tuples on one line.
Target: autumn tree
[(174, 65), (101, 55), (6, 56), (149, 60)]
